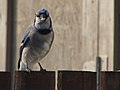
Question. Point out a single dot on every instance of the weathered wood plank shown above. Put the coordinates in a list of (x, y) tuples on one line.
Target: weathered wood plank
[(4, 81), (34, 81), (89, 34), (78, 80), (3, 33), (106, 32)]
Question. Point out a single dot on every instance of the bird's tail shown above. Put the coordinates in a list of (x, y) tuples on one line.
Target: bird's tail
[(19, 62)]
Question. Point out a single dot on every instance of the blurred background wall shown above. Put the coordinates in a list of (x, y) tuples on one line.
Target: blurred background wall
[(3, 29), (75, 23)]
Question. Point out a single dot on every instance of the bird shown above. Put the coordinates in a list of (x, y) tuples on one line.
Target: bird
[(36, 42)]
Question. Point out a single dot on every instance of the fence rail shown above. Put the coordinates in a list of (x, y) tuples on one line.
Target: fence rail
[(67, 80)]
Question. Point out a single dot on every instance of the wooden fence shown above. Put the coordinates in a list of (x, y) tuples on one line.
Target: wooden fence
[(67, 80), (78, 80), (28, 81), (4, 81), (34, 81)]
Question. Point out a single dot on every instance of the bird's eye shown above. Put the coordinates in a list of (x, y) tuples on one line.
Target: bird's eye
[(37, 15)]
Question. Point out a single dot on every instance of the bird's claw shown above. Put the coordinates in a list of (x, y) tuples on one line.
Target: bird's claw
[(28, 70), (41, 69)]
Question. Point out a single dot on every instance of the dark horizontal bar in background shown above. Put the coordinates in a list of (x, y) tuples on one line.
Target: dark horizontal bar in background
[(34, 80), (4, 81)]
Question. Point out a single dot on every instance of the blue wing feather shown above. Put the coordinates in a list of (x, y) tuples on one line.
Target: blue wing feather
[(23, 43), (25, 36)]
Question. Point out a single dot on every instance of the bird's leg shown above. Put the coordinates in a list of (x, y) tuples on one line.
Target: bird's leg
[(28, 69), (41, 68)]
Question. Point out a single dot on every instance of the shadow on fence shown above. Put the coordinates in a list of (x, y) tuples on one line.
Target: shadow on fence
[(67, 80)]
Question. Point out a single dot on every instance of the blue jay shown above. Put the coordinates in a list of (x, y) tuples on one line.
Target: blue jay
[(36, 42)]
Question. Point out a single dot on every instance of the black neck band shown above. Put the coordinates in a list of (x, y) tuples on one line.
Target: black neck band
[(44, 31)]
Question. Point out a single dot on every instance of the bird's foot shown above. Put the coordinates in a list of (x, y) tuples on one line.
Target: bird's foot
[(28, 70), (41, 68)]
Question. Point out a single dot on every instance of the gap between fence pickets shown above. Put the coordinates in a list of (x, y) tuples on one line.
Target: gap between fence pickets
[(56, 80)]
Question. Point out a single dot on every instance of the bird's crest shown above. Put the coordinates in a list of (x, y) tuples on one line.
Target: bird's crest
[(42, 11)]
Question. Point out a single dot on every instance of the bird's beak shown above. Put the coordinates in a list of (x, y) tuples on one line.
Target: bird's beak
[(42, 18)]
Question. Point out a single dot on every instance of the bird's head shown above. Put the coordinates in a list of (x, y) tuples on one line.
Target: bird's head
[(42, 19), (42, 15)]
